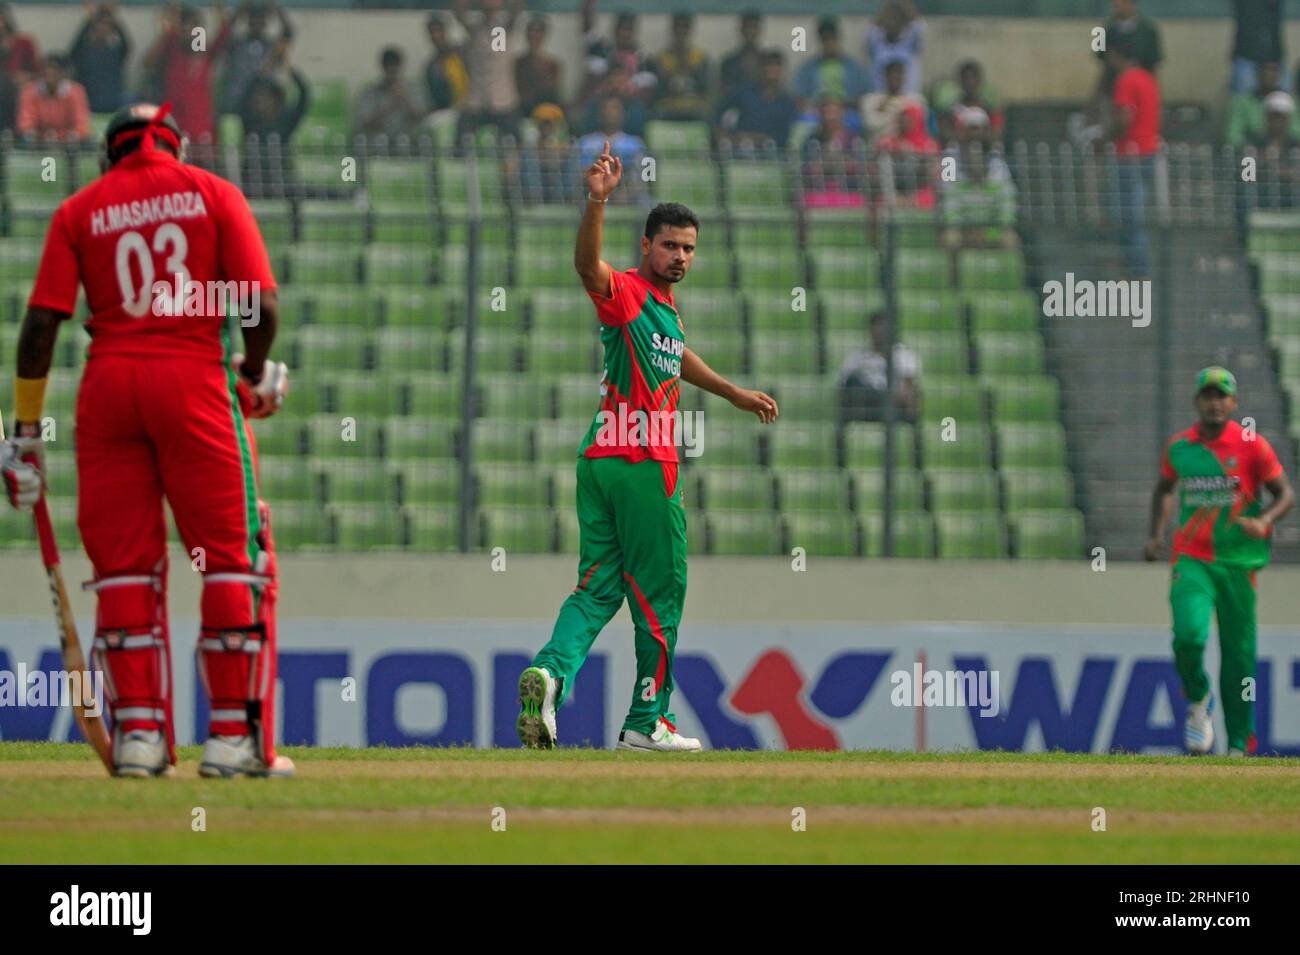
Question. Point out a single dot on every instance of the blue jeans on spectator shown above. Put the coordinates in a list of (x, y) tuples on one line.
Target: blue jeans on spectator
[(1135, 174)]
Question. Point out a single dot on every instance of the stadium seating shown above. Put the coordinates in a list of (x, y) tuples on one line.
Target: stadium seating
[(367, 452)]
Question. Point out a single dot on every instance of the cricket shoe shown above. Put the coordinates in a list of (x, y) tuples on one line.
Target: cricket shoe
[(665, 739), (538, 691), (140, 754), (1236, 753), (1198, 727), (225, 757)]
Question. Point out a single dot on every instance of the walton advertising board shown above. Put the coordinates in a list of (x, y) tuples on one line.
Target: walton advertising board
[(828, 686)]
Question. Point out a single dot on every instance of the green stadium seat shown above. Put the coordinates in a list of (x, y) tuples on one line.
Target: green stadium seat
[(1015, 398), (286, 479), (722, 347), (744, 533), (929, 310), (844, 310), (960, 397), (323, 264), (805, 445), (785, 353), (773, 312), (731, 444), (541, 265), (411, 349), (421, 483), (1013, 353), (301, 526), (321, 172), (760, 185), (358, 394), (406, 439), (997, 269), (677, 136), (502, 441), (320, 348), (941, 353), (453, 185), (963, 490), (346, 305), (813, 489), (564, 486), (804, 397), (561, 311), (344, 436), (41, 174), (837, 229), (971, 534), (60, 472), (767, 268), (281, 434), (1277, 274), (331, 222), (836, 268), (969, 447), (528, 530), (914, 534), (1032, 489), (573, 354), (577, 396), (432, 394), (712, 268), (368, 526), (513, 396), (557, 442), (922, 269), (1007, 311), (823, 535), (1049, 534), (1031, 445), (404, 181), (422, 306), (433, 527), (354, 482), (512, 486), (734, 489), (689, 182), (869, 490), (864, 445), (19, 259), (398, 264), (404, 224), (570, 532)]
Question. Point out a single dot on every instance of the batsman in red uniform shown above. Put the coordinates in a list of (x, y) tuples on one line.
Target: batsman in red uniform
[(162, 413)]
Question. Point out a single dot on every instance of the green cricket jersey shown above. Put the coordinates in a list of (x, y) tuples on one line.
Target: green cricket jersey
[(644, 342), (1219, 481)]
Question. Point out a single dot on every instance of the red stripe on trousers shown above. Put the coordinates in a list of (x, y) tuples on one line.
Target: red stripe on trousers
[(655, 630)]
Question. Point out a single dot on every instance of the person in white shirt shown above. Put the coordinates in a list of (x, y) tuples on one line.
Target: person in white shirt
[(863, 384)]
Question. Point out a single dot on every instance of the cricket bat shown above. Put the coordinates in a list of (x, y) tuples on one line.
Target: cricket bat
[(74, 661)]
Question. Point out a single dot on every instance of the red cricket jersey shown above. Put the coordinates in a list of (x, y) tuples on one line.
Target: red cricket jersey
[(1137, 92), (144, 221)]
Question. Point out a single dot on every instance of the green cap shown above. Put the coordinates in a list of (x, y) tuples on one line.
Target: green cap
[(1216, 377)]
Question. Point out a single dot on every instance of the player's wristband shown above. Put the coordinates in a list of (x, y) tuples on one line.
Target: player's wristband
[(591, 198), (29, 398)]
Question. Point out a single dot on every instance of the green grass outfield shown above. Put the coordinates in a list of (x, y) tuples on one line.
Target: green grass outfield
[(580, 806)]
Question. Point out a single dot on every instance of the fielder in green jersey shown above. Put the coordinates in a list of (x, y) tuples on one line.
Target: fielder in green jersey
[(632, 526), (1220, 542)]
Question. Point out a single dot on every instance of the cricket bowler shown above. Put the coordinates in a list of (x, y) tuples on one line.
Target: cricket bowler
[(162, 413), (1220, 543), (632, 525)]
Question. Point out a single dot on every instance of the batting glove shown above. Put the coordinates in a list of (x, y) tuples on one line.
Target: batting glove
[(21, 479), (263, 396)]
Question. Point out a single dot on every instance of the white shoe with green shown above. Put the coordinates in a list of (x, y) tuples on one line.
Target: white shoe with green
[(665, 739), (1198, 727), (538, 691)]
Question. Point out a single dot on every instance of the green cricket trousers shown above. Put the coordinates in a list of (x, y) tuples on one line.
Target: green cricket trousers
[(1197, 590), (632, 544)]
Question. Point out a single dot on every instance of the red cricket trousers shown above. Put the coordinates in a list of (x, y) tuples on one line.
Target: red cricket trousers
[(150, 428)]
